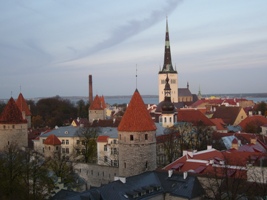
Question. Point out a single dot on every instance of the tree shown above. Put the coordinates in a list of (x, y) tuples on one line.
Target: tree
[(2, 106), (87, 145), (82, 109), (37, 121), (262, 107), (23, 175)]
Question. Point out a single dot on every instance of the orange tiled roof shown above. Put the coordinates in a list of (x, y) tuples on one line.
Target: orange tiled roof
[(136, 117), (102, 138), (52, 140), (193, 116), (11, 114), (22, 104), (98, 103)]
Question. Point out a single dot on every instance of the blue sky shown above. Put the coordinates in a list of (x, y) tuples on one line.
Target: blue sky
[(50, 47)]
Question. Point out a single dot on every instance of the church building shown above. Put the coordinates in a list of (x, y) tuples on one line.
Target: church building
[(178, 95)]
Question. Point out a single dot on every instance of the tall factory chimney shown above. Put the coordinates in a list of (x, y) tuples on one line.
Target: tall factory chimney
[(90, 89)]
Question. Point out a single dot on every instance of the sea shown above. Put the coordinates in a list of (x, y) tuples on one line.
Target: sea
[(153, 99)]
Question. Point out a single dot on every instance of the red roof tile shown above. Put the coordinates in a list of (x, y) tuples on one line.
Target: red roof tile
[(102, 138), (22, 104), (52, 140), (193, 116), (258, 120), (227, 113), (136, 117), (98, 103), (220, 125), (11, 114)]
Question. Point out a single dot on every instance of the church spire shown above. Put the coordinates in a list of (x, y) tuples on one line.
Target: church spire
[(167, 66)]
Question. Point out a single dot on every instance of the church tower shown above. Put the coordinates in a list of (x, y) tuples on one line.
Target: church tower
[(137, 139), (168, 69)]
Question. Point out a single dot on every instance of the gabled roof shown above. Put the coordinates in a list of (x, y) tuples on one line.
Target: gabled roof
[(136, 117), (22, 104), (98, 103), (193, 116), (11, 114), (227, 113), (52, 140), (184, 92)]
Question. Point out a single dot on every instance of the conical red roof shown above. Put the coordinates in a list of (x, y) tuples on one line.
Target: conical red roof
[(11, 114), (136, 117), (22, 104), (52, 140)]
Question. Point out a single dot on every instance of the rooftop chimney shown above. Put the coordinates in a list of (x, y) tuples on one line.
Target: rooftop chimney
[(90, 89)]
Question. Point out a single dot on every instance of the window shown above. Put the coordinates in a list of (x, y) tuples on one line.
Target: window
[(115, 141), (146, 136), (115, 162), (56, 148), (113, 151), (13, 126), (4, 127), (67, 141), (105, 158), (77, 141), (170, 119), (165, 120), (105, 148), (63, 142), (131, 137), (125, 165), (43, 141), (83, 142), (63, 150), (67, 150), (162, 81)]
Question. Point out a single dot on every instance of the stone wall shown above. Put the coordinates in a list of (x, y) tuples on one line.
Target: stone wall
[(137, 152), (96, 114), (13, 134), (96, 175)]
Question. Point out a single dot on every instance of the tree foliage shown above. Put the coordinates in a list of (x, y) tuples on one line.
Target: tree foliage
[(87, 146), (23, 175)]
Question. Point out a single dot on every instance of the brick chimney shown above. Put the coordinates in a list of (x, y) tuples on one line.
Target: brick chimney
[(90, 89)]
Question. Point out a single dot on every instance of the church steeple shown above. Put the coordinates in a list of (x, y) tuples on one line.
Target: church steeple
[(167, 66)]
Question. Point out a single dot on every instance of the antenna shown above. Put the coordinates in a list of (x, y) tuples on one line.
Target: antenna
[(11, 93), (20, 88), (136, 76)]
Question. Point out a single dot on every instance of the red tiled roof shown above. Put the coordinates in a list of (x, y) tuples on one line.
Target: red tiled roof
[(22, 104), (227, 114), (258, 120), (136, 117), (102, 138), (220, 125), (52, 140), (98, 103), (193, 116), (11, 114)]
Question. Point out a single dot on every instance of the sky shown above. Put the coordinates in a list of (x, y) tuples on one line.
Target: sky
[(50, 47)]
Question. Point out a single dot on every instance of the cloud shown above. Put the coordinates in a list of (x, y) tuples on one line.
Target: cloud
[(131, 28)]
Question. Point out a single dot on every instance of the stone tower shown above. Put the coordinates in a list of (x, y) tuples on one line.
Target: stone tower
[(24, 108), (13, 127), (52, 147), (168, 69), (97, 109), (137, 139)]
